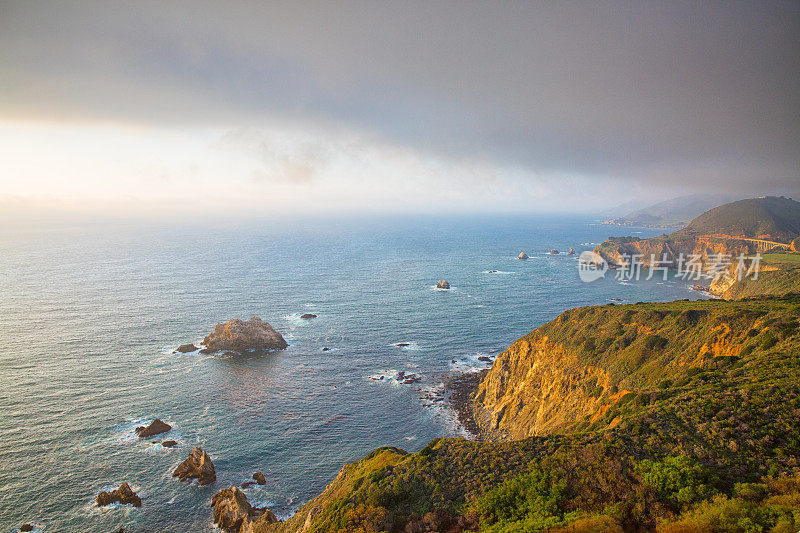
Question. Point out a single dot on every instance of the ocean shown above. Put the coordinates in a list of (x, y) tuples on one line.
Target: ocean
[(90, 316)]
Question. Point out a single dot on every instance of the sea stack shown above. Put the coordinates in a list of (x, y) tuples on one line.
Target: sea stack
[(197, 466), (124, 495), (443, 284), (156, 427), (234, 514), (240, 336), (571, 251), (522, 255)]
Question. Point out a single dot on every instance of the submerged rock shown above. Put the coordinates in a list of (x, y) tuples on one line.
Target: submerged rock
[(308, 316), (326, 349), (169, 443), (522, 255), (197, 466), (239, 336), (260, 479), (234, 514), (186, 348), (26, 527), (553, 252), (248, 484), (124, 495), (443, 284), (156, 427), (485, 359)]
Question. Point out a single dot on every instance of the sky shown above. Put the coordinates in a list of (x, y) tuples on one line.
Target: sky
[(316, 107)]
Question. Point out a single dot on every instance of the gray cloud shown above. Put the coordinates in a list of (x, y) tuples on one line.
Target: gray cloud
[(703, 94)]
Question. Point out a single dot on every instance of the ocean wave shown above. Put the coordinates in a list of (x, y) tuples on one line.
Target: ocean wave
[(499, 272), (395, 377), (472, 363)]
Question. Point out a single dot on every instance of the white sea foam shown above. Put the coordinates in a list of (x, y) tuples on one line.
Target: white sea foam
[(471, 363), (499, 272), (435, 401)]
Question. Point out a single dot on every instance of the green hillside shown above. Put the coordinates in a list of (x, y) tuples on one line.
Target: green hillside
[(693, 444), (772, 218)]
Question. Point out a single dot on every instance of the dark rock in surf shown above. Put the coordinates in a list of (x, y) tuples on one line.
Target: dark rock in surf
[(26, 527), (484, 359), (248, 484), (186, 348), (443, 284), (156, 427), (308, 316), (197, 466), (522, 255), (169, 443), (124, 495), (260, 479)]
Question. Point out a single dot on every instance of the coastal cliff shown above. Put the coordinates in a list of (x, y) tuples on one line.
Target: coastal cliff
[(645, 417), (715, 240), (566, 374)]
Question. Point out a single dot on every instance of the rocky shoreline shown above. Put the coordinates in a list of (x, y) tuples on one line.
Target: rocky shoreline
[(461, 390)]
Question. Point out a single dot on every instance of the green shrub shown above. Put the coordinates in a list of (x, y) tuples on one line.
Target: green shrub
[(528, 502), (678, 480)]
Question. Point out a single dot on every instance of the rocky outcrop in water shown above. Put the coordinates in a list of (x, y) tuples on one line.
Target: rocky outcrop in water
[(259, 478), (308, 316), (124, 495), (240, 335), (197, 466), (186, 348), (522, 255), (156, 427), (443, 284), (234, 514)]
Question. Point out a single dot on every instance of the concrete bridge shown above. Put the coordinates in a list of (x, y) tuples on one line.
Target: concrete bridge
[(762, 245)]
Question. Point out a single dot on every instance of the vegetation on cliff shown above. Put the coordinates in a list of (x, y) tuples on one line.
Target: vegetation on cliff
[(772, 218), (689, 423)]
